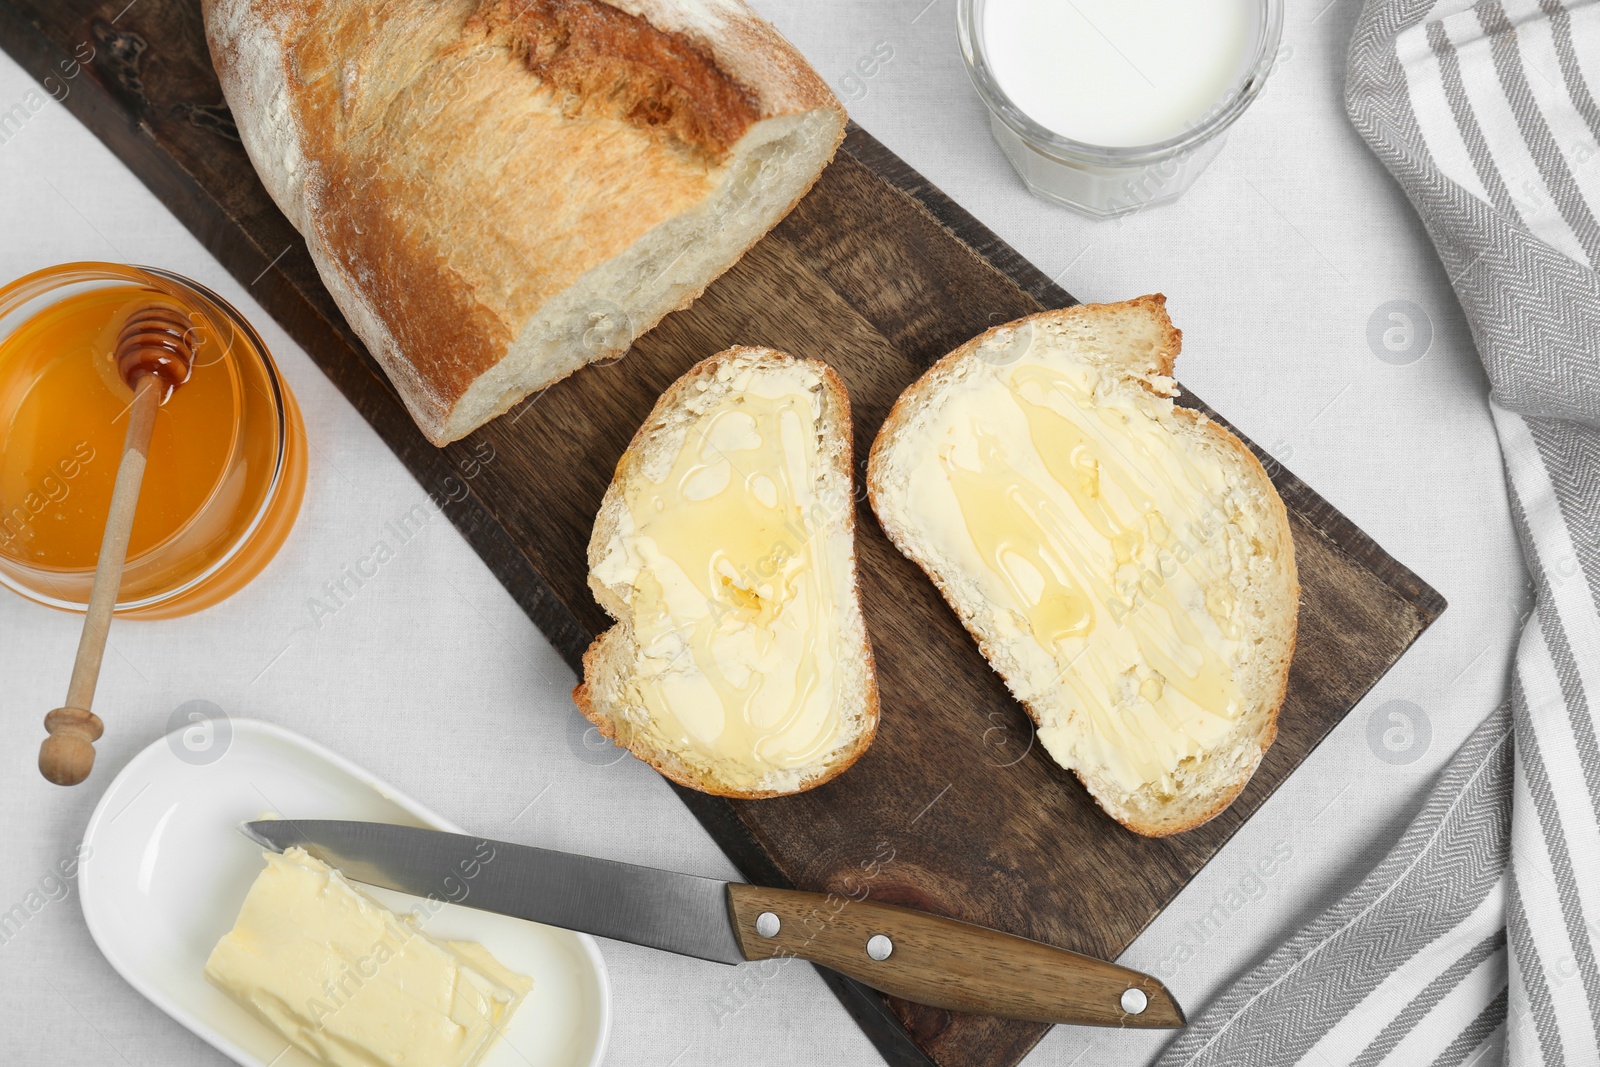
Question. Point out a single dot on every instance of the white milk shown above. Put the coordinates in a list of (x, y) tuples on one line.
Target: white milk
[(1118, 72)]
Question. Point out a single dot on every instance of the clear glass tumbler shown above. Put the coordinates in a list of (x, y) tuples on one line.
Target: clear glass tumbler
[(1106, 181)]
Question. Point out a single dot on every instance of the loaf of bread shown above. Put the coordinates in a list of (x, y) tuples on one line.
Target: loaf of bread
[(497, 192), (725, 550), (1124, 563)]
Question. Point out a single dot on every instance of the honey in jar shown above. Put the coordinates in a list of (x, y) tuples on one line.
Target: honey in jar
[(226, 466)]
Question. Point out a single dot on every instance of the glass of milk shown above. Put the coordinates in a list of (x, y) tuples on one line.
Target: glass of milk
[(1109, 106)]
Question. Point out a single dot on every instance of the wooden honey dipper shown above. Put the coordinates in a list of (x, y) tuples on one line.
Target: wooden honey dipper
[(154, 355)]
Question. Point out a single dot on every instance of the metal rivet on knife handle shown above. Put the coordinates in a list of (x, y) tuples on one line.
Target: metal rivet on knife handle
[(879, 947), (1134, 1002), (767, 924)]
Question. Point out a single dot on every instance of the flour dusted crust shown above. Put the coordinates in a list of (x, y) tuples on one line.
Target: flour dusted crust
[(496, 192), (1136, 338), (609, 662)]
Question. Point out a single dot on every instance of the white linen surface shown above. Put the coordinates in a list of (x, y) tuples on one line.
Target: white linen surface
[(1276, 264)]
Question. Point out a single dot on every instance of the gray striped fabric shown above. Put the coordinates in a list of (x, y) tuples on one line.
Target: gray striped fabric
[(1474, 942)]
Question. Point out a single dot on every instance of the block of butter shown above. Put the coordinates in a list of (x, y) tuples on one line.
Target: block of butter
[(352, 984)]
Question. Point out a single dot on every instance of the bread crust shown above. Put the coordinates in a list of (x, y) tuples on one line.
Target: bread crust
[(1269, 733), (456, 165), (1161, 362), (841, 457)]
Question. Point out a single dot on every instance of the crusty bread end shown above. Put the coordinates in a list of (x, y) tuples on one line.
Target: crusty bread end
[(499, 192)]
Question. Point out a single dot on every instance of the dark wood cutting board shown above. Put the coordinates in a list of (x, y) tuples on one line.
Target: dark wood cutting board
[(953, 809)]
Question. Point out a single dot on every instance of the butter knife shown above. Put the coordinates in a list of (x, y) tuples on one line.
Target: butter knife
[(906, 953)]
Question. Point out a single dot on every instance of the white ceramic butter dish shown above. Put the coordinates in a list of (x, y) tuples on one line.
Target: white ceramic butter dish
[(165, 869)]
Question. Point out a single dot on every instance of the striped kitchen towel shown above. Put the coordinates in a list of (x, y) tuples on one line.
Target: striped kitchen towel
[(1475, 941)]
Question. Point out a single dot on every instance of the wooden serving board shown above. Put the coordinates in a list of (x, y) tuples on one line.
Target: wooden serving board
[(953, 809)]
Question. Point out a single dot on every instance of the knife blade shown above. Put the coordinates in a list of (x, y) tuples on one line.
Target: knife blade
[(674, 912), (907, 953)]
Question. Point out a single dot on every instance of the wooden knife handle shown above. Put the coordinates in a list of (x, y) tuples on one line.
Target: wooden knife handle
[(946, 963)]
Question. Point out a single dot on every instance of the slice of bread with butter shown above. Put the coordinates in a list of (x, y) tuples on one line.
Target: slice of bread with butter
[(725, 550), (1124, 563)]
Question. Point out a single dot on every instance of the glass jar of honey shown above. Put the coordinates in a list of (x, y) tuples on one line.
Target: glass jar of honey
[(227, 460)]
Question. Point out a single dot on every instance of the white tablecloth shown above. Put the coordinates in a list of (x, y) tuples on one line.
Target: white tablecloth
[(1276, 265)]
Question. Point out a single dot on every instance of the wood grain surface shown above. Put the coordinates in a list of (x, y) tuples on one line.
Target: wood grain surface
[(954, 809)]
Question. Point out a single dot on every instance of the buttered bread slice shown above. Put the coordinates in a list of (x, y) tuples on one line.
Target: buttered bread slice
[(725, 550), (1124, 564)]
